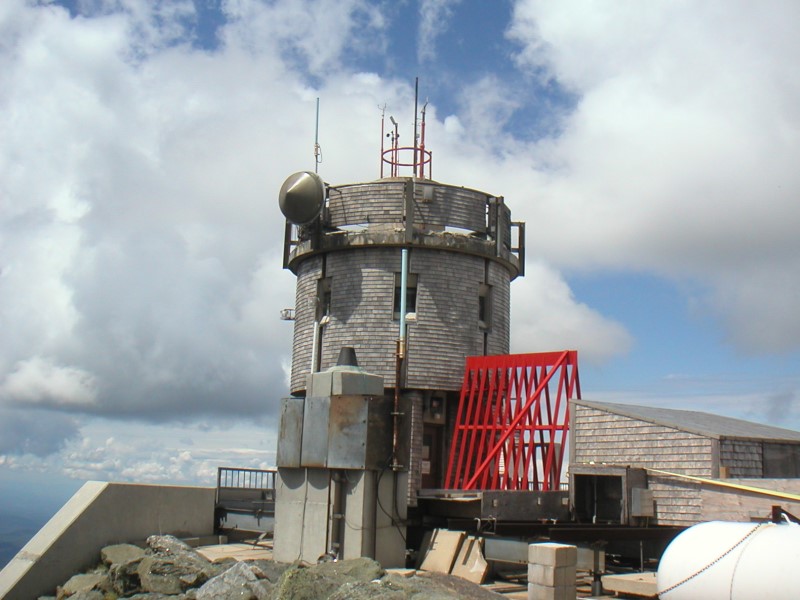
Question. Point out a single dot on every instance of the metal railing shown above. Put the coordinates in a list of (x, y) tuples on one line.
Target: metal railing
[(246, 479)]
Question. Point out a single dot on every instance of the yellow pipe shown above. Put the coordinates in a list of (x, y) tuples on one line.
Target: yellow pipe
[(735, 486)]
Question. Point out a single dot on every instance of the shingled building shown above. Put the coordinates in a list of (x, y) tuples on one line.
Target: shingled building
[(627, 464)]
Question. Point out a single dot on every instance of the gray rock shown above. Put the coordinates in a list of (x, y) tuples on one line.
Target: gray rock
[(436, 586), (240, 582), (174, 573), (268, 570), (125, 577), (359, 569), (120, 553), (88, 595), (373, 590), (301, 583), (84, 583), (167, 544)]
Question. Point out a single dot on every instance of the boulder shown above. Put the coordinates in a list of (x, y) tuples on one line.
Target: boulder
[(322, 580), (167, 544), (373, 590), (240, 582), (88, 595), (174, 567), (171, 574), (120, 553), (84, 583), (125, 577), (268, 570), (359, 569)]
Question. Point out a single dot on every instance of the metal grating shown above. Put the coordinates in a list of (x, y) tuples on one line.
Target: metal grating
[(512, 422)]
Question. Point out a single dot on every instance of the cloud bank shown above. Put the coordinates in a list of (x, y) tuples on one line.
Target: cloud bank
[(140, 160)]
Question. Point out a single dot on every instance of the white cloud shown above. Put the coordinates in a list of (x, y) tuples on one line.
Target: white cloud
[(680, 158), (141, 241), (433, 21), (38, 381), (545, 316)]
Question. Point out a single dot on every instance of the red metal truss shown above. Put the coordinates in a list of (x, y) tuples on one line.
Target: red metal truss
[(512, 422)]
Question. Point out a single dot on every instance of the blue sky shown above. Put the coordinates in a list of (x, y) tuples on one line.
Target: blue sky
[(652, 149)]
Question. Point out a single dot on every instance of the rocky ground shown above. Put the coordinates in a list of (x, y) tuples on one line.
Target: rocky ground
[(170, 570)]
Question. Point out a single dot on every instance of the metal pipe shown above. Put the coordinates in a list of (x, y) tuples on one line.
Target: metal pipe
[(403, 296), (315, 347), (401, 352)]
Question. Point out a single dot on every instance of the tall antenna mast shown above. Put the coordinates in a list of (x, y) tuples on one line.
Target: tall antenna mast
[(416, 99), (317, 149)]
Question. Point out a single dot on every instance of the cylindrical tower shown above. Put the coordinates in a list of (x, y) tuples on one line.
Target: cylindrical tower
[(462, 252), (348, 269)]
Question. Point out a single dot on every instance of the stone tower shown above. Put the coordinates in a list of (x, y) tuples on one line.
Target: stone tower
[(462, 251)]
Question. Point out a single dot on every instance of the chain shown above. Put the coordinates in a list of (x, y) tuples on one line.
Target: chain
[(712, 563)]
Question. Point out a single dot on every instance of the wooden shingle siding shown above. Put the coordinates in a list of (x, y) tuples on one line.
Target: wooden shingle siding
[(742, 458), (604, 437), (383, 202), (500, 326), (305, 309), (445, 330)]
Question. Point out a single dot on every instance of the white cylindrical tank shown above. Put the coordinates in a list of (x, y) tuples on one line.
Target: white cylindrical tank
[(747, 561)]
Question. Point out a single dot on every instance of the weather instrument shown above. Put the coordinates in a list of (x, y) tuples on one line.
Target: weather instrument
[(302, 197)]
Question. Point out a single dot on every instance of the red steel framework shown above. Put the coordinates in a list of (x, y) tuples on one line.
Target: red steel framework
[(511, 429)]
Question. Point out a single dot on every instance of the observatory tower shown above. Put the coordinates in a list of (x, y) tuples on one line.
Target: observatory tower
[(414, 275)]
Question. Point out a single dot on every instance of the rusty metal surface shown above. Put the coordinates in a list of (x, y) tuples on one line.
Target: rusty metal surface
[(347, 432)]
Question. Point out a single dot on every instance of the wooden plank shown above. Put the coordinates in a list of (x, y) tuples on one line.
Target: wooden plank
[(442, 551), (470, 563)]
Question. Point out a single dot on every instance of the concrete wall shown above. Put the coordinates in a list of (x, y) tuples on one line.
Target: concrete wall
[(99, 514)]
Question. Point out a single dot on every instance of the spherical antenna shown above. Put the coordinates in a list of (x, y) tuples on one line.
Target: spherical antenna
[(302, 197)]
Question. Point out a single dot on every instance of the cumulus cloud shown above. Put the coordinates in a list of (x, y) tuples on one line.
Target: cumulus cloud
[(434, 16), (141, 243), (680, 155), (546, 316), (39, 381)]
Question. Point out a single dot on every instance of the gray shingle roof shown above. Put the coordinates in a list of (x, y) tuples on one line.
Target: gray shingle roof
[(700, 423)]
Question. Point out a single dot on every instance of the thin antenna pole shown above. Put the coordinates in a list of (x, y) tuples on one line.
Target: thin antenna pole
[(383, 133), (317, 149), (416, 99), (422, 144)]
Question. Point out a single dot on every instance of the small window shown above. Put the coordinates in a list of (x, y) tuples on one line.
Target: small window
[(484, 306), (323, 298), (411, 295)]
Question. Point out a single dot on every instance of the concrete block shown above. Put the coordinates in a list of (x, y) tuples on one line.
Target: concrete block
[(552, 554), (345, 381), (551, 576), (546, 592)]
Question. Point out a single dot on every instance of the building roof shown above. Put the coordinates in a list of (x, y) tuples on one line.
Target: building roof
[(700, 423)]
